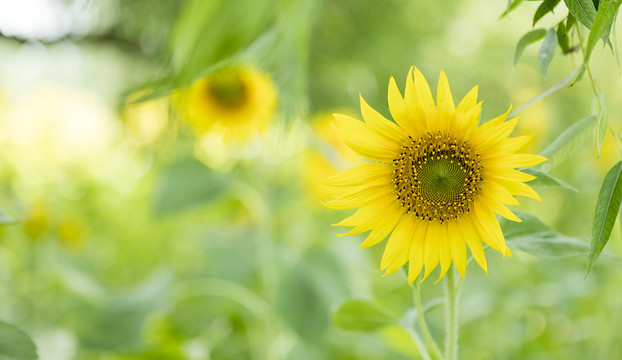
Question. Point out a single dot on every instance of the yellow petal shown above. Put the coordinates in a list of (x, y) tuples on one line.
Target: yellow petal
[(380, 124), (444, 251), (385, 224), (496, 206), (444, 100), (497, 191), (417, 251), (360, 174), (520, 189), (401, 114), (473, 240), (367, 143), (394, 244), (422, 91), (431, 248), (487, 225), (457, 246), (361, 197), (485, 139)]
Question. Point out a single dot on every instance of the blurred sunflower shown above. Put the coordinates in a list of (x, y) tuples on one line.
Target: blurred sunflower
[(437, 181), (234, 102)]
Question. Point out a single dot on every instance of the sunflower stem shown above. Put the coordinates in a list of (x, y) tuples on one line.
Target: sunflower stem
[(436, 352), (451, 316), (418, 343)]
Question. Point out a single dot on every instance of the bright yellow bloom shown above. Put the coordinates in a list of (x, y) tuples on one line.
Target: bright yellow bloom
[(235, 102), (437, 180)]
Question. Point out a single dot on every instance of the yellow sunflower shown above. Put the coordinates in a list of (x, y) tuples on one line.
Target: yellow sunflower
[(235, 102), (437, 179)]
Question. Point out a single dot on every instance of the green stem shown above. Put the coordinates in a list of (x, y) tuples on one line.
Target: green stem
[(436, 352), (451, 317), (418, 342), (595, 88)]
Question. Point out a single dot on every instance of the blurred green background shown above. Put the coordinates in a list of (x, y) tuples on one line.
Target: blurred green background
[(126, 246)]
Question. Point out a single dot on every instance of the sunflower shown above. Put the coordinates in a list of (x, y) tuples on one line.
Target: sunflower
[(436, 181), (234, 102)]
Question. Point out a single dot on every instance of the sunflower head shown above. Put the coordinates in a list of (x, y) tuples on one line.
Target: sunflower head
[(436, 181), (234, 102)]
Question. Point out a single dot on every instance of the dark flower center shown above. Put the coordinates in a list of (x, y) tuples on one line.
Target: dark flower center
[(436, 177), (227, 88)]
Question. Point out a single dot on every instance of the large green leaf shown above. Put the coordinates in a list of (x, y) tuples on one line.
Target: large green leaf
[(582, 10), (544, 8), (526, 40), (546, 180), (568, 142), (363, 315), (602, 25), (562, 38), (15, 344), (536, 238), (607, 208), (185, 185), (547, 51)]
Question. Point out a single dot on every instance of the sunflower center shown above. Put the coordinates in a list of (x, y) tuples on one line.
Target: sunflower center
[(436, 177), (227, 88)]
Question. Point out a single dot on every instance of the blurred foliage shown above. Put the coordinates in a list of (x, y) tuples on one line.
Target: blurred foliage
[(118, 242)]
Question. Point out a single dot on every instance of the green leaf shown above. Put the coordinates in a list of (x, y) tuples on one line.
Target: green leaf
[(529, 226), (544, 8), (512, 4), (602, 123), (546, 180), (550, 245), (567, 143), (527, 39), (547, 51), (570, 20), (15, 344), (551, 90), (186, 185), (602, 25), (363, 315), (582, 10), (536, 238), (562, 38), (607, 208)]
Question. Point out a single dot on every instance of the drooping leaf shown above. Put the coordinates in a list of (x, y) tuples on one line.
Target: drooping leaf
[(15, 344), (363, 315), (602, 123), (551, 90), (544, 8), (185, 185), (529, 225), (602, 25), (527, 39), (536, 238), (607, 208), (512, 4), (582, 10), (547, 180), (570, 20), (562, 38), (547, 51), (567, 143)]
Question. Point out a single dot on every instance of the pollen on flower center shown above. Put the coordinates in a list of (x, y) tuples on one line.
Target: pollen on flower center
[(436, 177)]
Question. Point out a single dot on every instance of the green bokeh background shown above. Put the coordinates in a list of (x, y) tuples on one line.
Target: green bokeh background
[(127, 247)]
